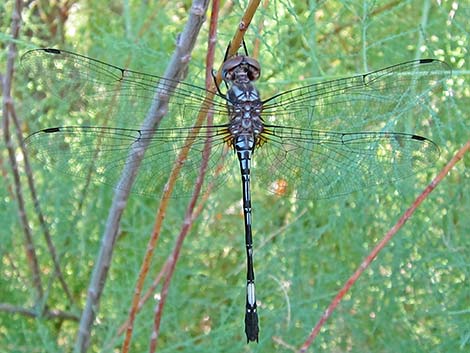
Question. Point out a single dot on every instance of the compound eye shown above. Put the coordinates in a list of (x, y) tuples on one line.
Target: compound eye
[(250, 65), (253, 73), (254, 68), (227, 75), (229, 66)]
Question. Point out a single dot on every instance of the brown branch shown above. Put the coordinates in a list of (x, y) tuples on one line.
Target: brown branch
[(187, 224), (156, 112), (4, 169), (188, 218), (47, 313), (148, 294), (368, 260), (7, 112), (243, 26), (257, 43), (163, 272), (235, 44), (189, 215), (212, 40), (39, 213)]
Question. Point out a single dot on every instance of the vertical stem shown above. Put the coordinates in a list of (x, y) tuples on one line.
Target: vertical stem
[(177, 65), (7, 110)]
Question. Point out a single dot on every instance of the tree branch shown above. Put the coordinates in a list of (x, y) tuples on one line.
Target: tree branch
[(385, 240), (176, 68)]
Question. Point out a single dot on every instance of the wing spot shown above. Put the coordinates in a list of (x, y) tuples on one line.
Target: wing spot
[(51, 130)]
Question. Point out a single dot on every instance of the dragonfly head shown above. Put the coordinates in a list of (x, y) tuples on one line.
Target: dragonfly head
[(241, 68)]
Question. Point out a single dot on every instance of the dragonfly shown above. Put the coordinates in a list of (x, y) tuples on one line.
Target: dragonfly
[(316, 141)]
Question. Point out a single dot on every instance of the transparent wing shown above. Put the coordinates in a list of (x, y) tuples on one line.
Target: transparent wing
[(311, 158), (336, 137), (103, 153), (319, 164), (368, 102), (97, 93)]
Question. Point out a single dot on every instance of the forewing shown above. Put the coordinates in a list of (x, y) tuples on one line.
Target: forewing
[(97, 93), (369, 102)]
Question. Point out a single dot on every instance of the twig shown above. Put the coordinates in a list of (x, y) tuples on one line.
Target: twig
[(212, 40), (367, 261), (34, 313), (188, 218), (7, 111), (163, 272), (235, 44), (243, 26), (39, 213), (257, 43), (148, 293), (157, 111), (209, 81), (187, 224)]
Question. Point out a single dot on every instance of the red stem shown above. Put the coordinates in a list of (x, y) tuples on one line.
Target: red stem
[(368, 260)]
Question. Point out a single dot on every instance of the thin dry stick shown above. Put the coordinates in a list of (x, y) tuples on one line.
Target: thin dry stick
[(243, 26), (235, 44), (187, 224), (48, 313), (367, 261), (190, 213), (7, 110), (28, 237), (212, 40), (148, 293), (157, 111), (91, 169), (249, 13), (188, 36), (188, 218), (209, 81), (4, 168), (163, 272), (39, 213)]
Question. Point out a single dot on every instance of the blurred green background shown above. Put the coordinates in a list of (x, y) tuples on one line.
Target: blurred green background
[(414, 298)]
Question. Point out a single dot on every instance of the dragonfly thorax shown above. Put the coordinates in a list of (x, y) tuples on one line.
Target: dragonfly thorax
[(245, 120), (243, 101), (244, 107)]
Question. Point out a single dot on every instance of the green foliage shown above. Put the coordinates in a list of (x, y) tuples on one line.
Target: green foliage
[(414, 298)]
